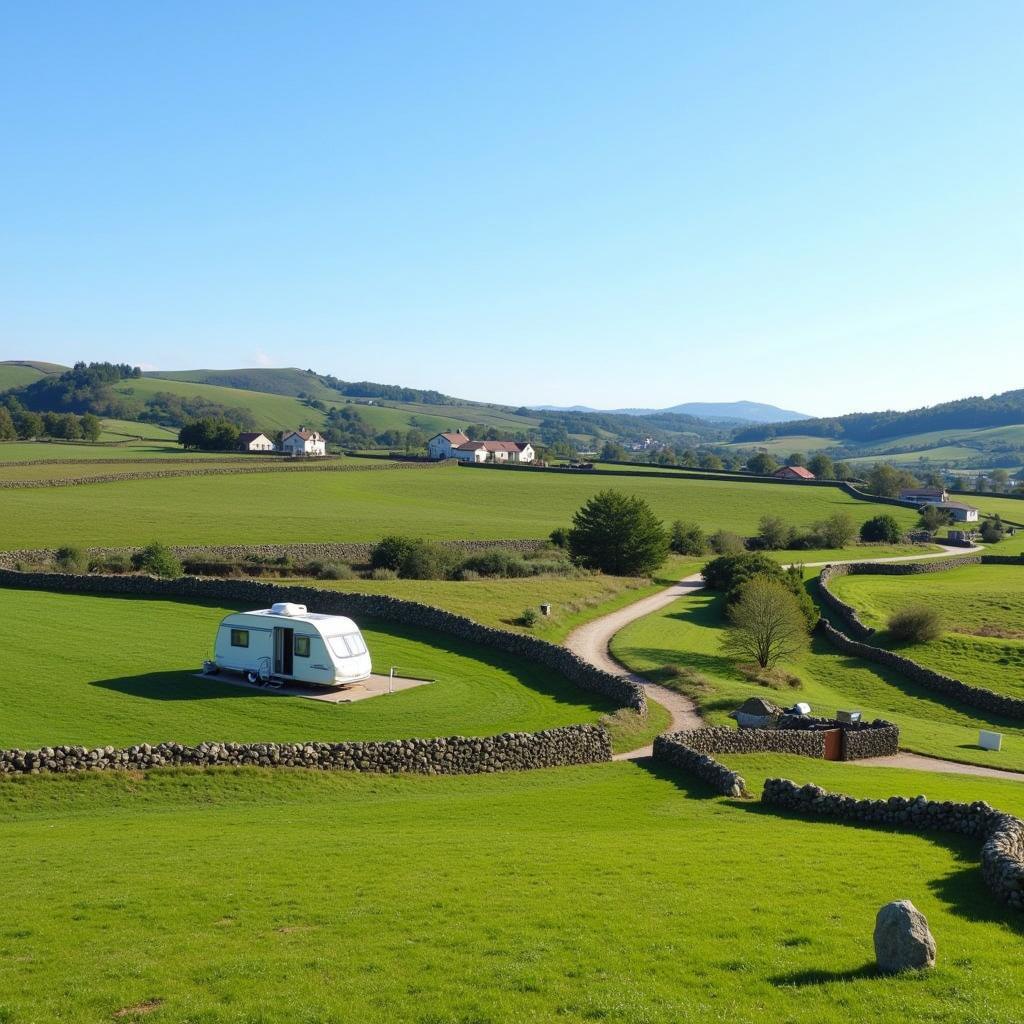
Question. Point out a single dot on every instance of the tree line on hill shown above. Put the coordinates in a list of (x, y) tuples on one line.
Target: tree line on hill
[(964, 414), (20, 424)]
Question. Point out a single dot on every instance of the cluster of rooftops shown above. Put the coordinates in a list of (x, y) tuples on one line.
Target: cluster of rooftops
[(453, 444)]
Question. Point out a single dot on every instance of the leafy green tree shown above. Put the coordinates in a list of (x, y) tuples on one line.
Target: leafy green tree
[(91, 427), (993, 530), (710, 462), (882, 529), (158, 559), (619, 534), (29, 424), (1000, 478), (687, 539), (797, 459), (7, 429), (933, 518), (774, 533), (766, 624), (843, 471), (762, 464), (821, 466), (887, 481), (838, 530), (612, 451)]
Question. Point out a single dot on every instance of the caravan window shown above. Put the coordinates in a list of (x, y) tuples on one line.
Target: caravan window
[(239, 638), (347, 646), (301, 647)]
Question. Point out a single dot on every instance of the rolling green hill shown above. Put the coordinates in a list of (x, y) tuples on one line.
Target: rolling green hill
[(15, 373)]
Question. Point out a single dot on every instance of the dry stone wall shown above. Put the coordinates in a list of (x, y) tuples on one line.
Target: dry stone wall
[(1002, 835), (618, 689), (454, 755), (342, 551)]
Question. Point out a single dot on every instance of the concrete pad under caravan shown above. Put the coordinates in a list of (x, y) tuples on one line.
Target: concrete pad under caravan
[(374, 686)]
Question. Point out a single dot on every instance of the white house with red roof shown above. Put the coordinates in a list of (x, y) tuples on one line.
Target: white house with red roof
[(456, 445), (303, 442)]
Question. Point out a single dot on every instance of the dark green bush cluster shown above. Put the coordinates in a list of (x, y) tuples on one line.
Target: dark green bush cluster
[(413, 558), (730, 573), (687, 539), (916, 623), (157, 559), (993, 530), (882, 529), (775, 534)]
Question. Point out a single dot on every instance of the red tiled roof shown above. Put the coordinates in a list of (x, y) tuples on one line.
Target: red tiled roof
[(456, 437), (801, 471)]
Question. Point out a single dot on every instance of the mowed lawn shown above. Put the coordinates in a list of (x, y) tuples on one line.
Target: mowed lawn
[(444, 502), (688, 633), (104, 670), (609, 892), (973, 600)]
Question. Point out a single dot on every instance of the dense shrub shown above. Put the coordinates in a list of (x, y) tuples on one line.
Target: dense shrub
[(559, 537), (723, 542), (413, 558), (381, 573), (881, 529), (389, 552), (497, 562), (619, 534), (992, 530), (917, 623), (529, 617), (774, 534), (687, 539), (338, 571), (731, 573), (71, 559), (158, 559)]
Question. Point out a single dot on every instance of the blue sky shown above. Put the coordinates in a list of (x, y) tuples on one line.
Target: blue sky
[(819, 205)]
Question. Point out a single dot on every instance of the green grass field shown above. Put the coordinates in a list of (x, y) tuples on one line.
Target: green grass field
[(610, 892), (785, 445), (971, 599), (689, 631), (16, 375), (444, 502), (120, 671)]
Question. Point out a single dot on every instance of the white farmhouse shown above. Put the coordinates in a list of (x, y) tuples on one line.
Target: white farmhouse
[(959, 512), (440, 446), (303, 442), (255, 443)]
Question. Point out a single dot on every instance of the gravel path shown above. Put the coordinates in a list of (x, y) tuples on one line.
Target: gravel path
[(591, 640)]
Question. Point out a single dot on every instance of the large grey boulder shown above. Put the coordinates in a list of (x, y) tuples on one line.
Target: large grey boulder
[(902, 939)]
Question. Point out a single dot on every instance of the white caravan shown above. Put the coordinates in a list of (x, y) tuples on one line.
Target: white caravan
[(287, 642)]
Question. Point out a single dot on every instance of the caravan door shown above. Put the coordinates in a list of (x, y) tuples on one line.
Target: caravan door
[(284, 651)]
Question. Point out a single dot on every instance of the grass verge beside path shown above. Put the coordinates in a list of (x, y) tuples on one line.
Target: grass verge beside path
[(688, 634), (610, 892)]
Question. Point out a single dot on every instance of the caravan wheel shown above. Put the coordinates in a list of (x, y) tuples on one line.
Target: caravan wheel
[(252, 677)]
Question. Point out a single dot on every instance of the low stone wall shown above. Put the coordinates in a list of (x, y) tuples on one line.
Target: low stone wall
[(1002, 852), (343, 551), (454, 755), (301, 465), (618, 689), (723, 740), (671, 750), (974, 696), (878, 738)]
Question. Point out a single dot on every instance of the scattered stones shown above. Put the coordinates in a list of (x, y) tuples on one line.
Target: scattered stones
[(903, 941)]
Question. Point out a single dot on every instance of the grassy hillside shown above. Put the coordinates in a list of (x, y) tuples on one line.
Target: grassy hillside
[(973, 601), (15, 373), (609, 892), (287, 381), (689, 633), (442, 502), (122, 671)]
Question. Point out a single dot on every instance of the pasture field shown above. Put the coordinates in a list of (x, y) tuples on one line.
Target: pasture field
[(117, 430), (83, 451), (951, 454), (442, 502), (783, 446), (121, 671), (102, 465), (16, 375), (248, 895), (688, 633), (973, 600), (1010, 510)]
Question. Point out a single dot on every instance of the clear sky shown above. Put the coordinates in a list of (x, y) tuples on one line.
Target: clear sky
[(819, 205)]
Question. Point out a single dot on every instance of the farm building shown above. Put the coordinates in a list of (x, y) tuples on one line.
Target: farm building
[(794, 473), (959, 512), (303, 442), (288, 642), (454, 445), (926, 495), (255, 443), (440, 446)]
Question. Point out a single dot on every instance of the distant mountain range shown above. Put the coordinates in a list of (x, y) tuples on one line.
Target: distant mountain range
[(713, 412)]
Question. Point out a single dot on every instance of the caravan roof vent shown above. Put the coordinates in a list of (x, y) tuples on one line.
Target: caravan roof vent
[(287, 608)]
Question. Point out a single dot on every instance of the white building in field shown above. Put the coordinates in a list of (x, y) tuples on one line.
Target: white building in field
[(255, 443), (303, 442), (456, 445), (440, 446)]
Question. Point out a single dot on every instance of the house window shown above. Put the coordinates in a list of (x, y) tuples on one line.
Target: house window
[(302, 647), (239, 638)]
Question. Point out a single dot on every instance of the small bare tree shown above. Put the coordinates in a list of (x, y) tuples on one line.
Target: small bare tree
[(765, 624)]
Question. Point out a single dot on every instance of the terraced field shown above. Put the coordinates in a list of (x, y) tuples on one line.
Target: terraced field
[(610, 892), (439, 502)]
